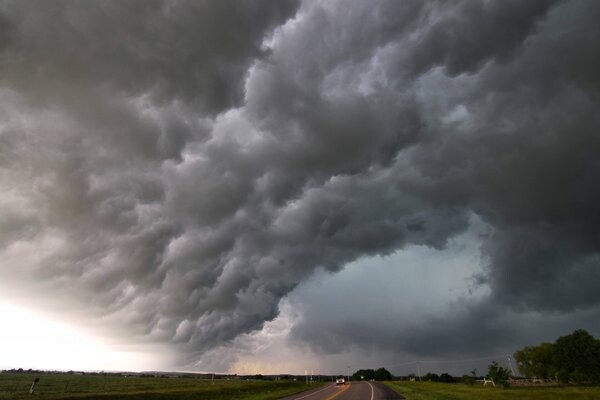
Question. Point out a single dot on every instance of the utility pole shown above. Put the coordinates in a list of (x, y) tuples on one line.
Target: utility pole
[(512, 371)]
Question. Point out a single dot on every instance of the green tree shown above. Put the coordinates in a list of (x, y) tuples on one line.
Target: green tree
[(536, 361), (498, 374), (576, 357), (366, 374), (383, 374), (430, 376), (446, 377)]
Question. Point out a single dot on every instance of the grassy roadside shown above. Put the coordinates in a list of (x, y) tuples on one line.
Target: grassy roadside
[(61, 386), (458, 391)]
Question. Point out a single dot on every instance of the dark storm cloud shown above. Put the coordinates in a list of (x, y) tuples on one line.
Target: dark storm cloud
[(197, 52), (468, 330), (520, 145), (180, 167), (463, 36)]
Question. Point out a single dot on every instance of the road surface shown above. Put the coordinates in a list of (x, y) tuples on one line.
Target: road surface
[(350, 391)]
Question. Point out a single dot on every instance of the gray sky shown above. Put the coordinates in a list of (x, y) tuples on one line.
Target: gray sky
[(235, 185)]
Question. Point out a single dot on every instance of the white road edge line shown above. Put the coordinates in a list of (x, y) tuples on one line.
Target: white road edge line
[(313, 393), (372, 391)]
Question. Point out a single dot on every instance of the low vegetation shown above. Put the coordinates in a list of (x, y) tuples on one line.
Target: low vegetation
[(109, 387), (459, 391)]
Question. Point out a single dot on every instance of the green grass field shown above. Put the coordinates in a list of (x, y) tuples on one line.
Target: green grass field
[(91, 387), (459, 391)]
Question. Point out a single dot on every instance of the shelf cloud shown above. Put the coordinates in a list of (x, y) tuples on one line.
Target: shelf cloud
[(174, 169)]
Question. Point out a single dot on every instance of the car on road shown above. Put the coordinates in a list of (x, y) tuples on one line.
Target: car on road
[(340, 381)]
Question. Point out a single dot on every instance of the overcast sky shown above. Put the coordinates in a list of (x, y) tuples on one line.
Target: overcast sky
[(276, 186)]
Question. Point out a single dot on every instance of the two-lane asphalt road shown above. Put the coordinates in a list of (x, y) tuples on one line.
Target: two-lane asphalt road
[(351, 391)]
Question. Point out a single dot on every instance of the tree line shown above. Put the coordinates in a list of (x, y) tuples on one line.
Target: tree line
[(380, 374), (573, 358)]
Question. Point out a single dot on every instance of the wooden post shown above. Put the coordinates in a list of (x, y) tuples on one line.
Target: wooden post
[(32, 389)]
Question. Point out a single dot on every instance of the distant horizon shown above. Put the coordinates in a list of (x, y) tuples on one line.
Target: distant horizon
[(193, 373), (423, 365)]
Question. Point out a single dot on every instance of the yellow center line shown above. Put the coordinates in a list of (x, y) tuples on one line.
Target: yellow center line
[(313, 393), (346, 387)]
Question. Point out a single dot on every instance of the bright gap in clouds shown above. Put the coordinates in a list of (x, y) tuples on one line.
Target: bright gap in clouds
[(29, 340), (320, 322)]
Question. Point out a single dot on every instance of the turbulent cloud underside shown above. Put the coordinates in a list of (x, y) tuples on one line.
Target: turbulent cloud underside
[(177, 168)]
